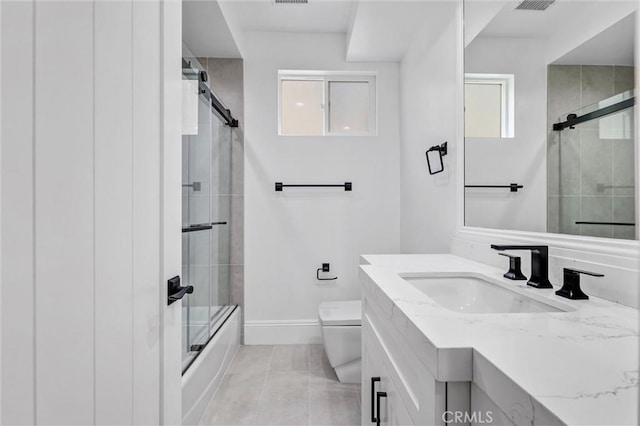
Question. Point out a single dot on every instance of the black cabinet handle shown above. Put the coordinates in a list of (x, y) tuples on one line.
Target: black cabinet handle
[(373, 401), (378, 396), (175, 291)]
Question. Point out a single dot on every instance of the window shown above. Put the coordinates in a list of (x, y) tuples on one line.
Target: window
[(325, 103), (489, 105)]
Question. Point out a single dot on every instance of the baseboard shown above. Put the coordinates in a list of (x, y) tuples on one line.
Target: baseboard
[(282, 332)]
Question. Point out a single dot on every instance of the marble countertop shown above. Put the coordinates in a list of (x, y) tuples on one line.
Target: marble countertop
[(577, 367)]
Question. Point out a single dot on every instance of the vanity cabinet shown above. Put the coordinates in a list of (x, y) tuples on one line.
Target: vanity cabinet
[(486, 410), (391, 367), (380, 395), (399, 388)]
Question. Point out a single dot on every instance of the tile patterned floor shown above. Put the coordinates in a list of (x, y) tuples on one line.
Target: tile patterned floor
[(283, 385)]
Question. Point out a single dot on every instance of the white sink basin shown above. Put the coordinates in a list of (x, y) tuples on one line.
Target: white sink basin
[(476, 296)]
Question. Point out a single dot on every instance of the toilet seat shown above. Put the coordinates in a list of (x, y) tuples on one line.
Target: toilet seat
[(340, 313)]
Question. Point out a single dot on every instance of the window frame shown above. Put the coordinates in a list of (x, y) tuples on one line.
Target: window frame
[(507, 95), (327, 77)]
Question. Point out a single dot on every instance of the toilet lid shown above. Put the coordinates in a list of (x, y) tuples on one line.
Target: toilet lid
[(344, 312)]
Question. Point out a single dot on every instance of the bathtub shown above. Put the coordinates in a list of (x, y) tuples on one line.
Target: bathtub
[(201, 380)]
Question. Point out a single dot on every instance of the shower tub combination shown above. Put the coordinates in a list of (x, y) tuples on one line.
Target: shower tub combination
[(210, 324)]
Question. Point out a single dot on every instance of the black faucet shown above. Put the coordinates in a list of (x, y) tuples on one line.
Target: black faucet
[(539, 264)]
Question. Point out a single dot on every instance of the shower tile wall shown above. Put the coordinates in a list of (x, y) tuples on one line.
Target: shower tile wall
[(226, 80), (573, 188)]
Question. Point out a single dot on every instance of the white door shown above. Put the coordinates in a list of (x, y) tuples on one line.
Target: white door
[(90, 211)]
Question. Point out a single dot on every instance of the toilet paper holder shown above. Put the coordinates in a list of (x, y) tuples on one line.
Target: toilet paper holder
[(325, 268)]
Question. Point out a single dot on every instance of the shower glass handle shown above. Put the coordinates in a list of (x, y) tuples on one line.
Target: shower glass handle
[(373, 401)]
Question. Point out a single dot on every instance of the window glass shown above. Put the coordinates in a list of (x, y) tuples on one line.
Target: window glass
[(301, 103), (483, 110), (348, 106)]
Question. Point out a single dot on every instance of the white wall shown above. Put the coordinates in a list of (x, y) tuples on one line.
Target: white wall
[(86, 243), (290, 233), (430, 111), (522, 159)]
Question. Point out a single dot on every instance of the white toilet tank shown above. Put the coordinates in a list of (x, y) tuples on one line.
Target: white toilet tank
[(341, 334)]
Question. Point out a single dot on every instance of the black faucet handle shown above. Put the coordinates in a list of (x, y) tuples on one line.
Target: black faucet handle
[(515, 264), (580, 271), (571, 284), (501, 247)]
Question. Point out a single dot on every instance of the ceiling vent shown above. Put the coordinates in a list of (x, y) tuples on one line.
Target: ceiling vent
[(539, 5), (291, 1)]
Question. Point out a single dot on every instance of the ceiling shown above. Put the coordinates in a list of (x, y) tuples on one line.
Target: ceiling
[(375, 30), (572, 31), (205, 30), (384, 30), (613, 46), (318, 16), (513, 23)]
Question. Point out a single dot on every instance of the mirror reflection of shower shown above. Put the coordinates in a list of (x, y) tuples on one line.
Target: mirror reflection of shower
[(591, 136), (591, 165)]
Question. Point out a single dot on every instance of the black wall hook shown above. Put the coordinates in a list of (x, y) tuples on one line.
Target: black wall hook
[(325, 268), (442, 151)]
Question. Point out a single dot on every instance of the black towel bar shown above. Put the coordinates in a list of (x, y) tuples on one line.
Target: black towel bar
[(584, 222), (513, 187), (347, 186)]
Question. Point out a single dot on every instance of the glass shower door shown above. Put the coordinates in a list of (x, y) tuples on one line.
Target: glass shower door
[(196, 238), (206, 215), (221, 212)]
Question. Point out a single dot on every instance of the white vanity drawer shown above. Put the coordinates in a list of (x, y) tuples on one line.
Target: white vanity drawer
[(421, 395), (380, 396)]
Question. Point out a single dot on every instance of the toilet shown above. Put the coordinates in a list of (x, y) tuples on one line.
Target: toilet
[(341, 324)]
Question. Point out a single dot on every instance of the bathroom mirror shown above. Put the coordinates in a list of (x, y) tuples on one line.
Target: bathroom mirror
[(549, 116)]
